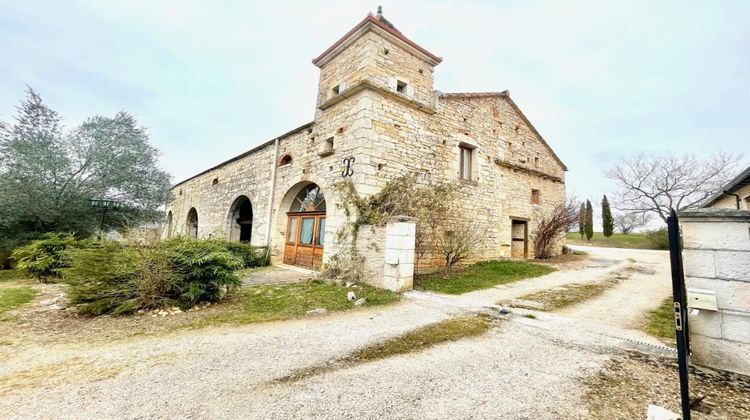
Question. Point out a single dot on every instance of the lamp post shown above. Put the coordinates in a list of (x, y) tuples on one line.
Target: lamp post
[(105, 205)]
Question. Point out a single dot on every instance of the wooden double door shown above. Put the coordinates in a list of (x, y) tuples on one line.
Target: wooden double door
[(305, 235)]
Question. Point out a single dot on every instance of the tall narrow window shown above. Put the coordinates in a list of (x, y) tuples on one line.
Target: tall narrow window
[(465, 162), (536, 197)]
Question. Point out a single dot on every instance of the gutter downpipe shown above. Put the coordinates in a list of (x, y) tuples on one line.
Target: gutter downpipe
[(271, 196), (736, 198)]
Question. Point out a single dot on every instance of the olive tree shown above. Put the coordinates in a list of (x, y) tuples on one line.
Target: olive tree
[(49, 174)]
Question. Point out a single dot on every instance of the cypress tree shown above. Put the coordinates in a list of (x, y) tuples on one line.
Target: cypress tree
[(589, 228), (608, 222), (582, 220)]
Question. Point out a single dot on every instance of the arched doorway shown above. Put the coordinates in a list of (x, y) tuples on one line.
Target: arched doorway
[(191, 226), (305, 229), (240, 220)]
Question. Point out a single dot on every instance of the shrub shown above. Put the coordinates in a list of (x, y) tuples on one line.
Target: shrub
[(45, 258), (251, 256), (204, 266), (7, 246), (552, 227), (104, 279), (115, 279), (658, 239)]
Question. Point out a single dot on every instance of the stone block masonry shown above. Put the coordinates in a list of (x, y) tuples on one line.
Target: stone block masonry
[(378, 117), (716, 258)]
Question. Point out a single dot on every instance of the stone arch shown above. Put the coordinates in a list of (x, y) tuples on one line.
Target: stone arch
[(191, 223), (301, 224), (240, 220), (169, 224)]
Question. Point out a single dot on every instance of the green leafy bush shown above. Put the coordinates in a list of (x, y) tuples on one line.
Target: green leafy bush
[(104, 279), (251, 255), (115, 279), (658, 239), (45, 258), (204, 267)]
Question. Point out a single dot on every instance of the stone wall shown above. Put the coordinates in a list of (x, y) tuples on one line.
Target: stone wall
[(388, 253), (388, 133), (717, 258), (730, 201)]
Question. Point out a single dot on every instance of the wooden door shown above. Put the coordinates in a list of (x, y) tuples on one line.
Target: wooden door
[(305, 235)]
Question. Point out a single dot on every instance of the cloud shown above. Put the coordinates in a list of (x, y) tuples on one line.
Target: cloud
[(211, 80)]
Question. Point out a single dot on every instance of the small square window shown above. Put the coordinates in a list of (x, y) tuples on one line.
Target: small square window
[(326, 148), (536, 197), (336, 90), (536, 161), (401, 86)]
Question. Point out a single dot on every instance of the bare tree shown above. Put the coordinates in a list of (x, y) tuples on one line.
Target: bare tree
[(628, 222), (459, 243), (552, 227), (656, 184)]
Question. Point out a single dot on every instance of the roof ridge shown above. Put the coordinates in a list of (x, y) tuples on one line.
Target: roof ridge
[(384, 24)]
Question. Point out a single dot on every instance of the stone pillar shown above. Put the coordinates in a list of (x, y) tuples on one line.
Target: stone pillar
[(716, 258), (398, 271)]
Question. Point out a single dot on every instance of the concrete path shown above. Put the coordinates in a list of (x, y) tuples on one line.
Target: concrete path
[(523, 368), (277, 275)]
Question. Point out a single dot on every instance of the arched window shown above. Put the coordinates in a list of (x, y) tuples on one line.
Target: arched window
[(192, 223), (311, 198), (285, 160)]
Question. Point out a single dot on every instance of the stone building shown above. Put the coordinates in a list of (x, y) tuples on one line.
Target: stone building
[(377, 117), (716, 258), (734, 195)]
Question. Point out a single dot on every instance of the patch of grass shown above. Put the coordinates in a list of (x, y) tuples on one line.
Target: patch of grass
[(660, 321), (617, 240), (279, 302), (428, 336), (13, 297), (12, 275), (412, 341), (481, 275), (530, 316), (564, 296)]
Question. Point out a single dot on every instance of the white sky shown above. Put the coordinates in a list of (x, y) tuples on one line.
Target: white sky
[(212, 79)]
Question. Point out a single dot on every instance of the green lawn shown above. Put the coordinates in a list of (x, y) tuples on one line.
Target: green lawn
[(617, 240), (279, 302), (12, 297), (12, 275), (660, 321), (481, 275)]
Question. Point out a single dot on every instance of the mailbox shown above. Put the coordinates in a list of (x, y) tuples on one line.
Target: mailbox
[(702, 299)]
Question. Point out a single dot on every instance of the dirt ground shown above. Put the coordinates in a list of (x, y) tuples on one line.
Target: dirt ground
[(571, 363)]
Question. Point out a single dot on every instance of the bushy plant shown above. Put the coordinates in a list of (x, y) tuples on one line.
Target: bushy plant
[(115, 279), (204, 266), (45, 258), (658, 239), (252, 256), (104, 279)]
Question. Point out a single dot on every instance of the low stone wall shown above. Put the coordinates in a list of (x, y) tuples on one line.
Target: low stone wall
[(389, 253), (716, 258)]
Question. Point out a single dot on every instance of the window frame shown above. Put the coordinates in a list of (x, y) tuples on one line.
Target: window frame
[(536, 196), (470, 151)]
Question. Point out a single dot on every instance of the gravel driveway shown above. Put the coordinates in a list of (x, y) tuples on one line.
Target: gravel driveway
[(523, 368)]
